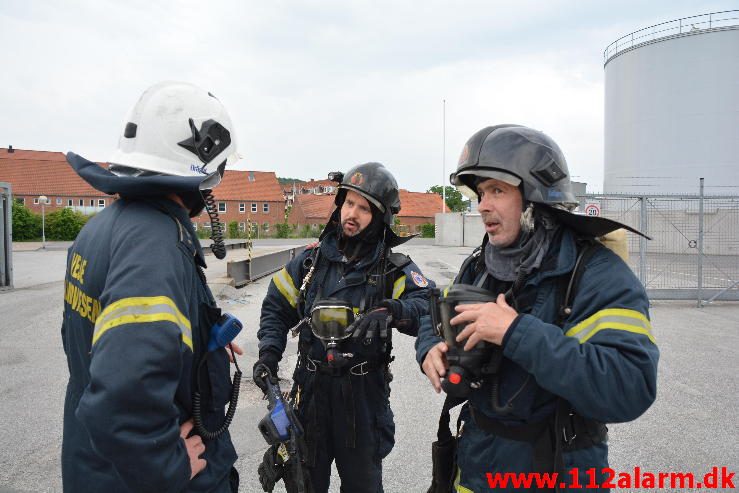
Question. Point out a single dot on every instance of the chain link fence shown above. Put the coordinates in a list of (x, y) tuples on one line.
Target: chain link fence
[(694, 251)]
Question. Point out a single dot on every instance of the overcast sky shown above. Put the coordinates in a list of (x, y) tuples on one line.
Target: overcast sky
[(314, 86)]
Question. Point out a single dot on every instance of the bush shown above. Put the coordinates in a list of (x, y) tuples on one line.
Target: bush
[(64, 224), (26, 224), (283, 230), (233, 229), (428, 230)]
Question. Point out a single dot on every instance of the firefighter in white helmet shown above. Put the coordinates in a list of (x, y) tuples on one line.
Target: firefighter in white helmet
[(138, 312)]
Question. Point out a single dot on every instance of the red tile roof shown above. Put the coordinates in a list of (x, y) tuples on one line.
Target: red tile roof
[(249, 185), (48, 173), (317, 207), (42, 172), (419, 204)]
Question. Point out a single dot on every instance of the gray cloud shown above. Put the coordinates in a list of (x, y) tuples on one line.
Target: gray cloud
[(320, 85)]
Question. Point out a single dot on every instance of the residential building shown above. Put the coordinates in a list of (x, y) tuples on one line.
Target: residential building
[(42, 173), (310, 209), (418, 208), (247, 197), (316, 187), (243, 196)]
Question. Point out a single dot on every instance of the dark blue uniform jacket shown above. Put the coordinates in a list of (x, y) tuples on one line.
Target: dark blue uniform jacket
[(136, 319), (603, 361)]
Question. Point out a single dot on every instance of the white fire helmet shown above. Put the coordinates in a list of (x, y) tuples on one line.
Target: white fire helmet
[(178, 129)]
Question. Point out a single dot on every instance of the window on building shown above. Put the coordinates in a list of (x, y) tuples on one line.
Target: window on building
[(70, 202), (21, 200), (206, 225), (101, 203), (221, 207), (58, 201), (265, 227), (265, 207), (35, 201), (242, 207), (82, 203), (92, 202), (254, 207), (242, 227)]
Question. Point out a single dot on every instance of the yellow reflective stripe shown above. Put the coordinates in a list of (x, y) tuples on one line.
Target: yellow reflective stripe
[(142, 310), (449, 286), (458, 487), (284, 284), (399, 287), (612, 318)]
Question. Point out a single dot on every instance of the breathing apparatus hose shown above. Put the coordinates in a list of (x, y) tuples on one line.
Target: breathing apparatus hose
[(216, 226), (197, 415)]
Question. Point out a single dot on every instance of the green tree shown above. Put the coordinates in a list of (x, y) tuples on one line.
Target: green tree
[(290, 181), (454, 199), (64, 224), (26, 224)]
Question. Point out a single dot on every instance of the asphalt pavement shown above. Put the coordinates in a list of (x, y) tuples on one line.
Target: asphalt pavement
[(691, 427)]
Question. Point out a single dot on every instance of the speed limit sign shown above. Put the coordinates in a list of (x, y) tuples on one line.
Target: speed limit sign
[(592, 210)]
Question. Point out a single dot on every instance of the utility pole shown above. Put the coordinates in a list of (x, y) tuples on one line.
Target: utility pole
[(443, 158)]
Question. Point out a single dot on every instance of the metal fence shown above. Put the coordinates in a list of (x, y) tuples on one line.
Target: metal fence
[(694, 251)]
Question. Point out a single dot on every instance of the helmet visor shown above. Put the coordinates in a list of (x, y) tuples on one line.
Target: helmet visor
[(465, 179)]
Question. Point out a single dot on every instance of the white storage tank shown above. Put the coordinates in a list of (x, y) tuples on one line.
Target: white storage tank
[(672, 107)]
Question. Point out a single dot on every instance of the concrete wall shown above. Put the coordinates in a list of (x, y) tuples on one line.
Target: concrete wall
[(458, 229)]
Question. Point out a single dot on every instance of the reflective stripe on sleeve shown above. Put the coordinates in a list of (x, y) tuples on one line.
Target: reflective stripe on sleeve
[(284, 284), (142, 310), (458, 487), (398, 287), (612, 318)]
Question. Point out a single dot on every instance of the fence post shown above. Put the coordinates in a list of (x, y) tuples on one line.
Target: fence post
[(700, 246), (6, 236), (642, 240)]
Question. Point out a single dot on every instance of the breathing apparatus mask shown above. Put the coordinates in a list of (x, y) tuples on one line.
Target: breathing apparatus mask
[(332, 321), (467, 369)]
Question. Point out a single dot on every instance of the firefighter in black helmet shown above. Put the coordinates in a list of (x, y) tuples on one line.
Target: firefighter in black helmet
[(343, 296), (567, 331)]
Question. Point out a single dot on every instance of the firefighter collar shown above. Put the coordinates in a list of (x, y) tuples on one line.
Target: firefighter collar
[(140, 186)]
